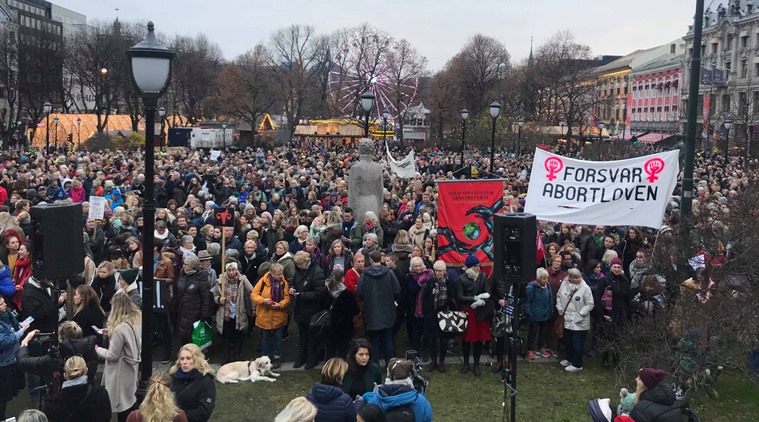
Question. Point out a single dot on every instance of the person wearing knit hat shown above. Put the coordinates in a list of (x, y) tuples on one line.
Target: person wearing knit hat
[(474, 297), (471, 261), (655, 398), (614, 298)]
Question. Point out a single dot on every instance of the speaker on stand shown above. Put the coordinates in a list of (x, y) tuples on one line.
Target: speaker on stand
[(515, 262)]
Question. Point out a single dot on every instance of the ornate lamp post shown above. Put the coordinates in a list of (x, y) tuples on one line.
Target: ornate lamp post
[(151, 72), (495, 110), (47, 108), (162, 115), (223, 135), (520, 123), (79, 132), (464, 115), (367, 104), (728, 124), (385, 116), (601, 126)]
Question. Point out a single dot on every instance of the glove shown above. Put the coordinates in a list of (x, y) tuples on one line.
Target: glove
[(483, 296), (477, 303)]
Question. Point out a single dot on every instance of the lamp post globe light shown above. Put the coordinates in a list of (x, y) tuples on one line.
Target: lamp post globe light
[(464, 115), (56, 120), (728, 124), (151, 72), (495, 110), (47, 108), (224, 136), (520, 123), (367, 104), (385, 116), (162, 115)]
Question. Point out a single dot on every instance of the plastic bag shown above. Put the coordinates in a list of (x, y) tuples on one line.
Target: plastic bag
[(202, 334)]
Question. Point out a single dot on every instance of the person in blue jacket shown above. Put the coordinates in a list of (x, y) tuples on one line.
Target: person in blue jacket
[(539, 308), (7, 287), (332, 403), (398, 392)]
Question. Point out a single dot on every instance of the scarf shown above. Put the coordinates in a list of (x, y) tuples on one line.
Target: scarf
[(335, 292), (276, 290), (441, 293), (9, 319), (82, 380), (599, 241), (421, 279)]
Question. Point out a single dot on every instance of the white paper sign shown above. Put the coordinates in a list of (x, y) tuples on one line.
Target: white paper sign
[(215, 154), (632, 192), (405, 168), (97, 208)]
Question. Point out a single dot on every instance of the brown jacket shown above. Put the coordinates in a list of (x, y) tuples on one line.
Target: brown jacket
[(268, 318)]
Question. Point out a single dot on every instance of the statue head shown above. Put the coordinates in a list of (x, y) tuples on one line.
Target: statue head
[(366, 147)]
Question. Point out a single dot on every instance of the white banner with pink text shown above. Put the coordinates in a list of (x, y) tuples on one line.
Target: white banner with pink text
[(632, 192)]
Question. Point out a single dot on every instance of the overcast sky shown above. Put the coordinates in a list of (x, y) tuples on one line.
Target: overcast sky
[(437, 28)]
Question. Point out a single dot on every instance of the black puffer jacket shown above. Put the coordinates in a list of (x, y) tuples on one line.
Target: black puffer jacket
[(195, 394), (192, 301), (70, 404), (467, 289), (310, 286), (46, 364), (656, 405)]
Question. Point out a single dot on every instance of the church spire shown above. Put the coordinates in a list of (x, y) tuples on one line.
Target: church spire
[(530, 59)]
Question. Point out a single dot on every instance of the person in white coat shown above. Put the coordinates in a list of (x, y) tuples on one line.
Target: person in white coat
[(574, 301), (122, 357)]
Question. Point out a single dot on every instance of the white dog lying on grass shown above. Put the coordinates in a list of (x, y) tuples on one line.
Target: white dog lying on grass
[(253, 370)]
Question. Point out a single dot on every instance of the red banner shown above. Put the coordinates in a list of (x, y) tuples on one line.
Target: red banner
[(465, 221), (705, 125)]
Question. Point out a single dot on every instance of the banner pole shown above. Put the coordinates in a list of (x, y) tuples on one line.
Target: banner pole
[(223, 260)]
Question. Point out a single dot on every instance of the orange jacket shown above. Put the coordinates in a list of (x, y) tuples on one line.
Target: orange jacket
[(268, 318)]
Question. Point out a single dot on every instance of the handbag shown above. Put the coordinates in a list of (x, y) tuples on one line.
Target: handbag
[(202, 335), (558, 324), (452, 321), (321, 321)]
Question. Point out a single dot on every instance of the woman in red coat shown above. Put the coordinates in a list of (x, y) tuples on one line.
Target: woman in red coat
[(21, 272)]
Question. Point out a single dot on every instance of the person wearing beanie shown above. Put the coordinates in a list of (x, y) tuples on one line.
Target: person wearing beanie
[(235, 310), (614, 296), (473, 295), (655, 398)]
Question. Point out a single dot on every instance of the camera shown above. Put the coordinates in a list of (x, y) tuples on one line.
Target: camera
[(420, 384), (43, 341)]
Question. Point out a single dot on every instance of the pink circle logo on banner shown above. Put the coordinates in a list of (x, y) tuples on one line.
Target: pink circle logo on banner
[(553, 165), (653, 167)]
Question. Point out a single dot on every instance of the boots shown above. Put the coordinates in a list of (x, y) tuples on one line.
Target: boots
[(441, 366), (464, 369), (476, 371), (496, 367), (432, 366)]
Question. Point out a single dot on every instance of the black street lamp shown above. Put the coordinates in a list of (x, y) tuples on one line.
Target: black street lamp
[(495, 110), (151, 72), (464, 115), (162, 115), (520, 123), (79, 131), (56, 120), (47, 108), (385, 116), (223, 136), (728, 124), (601, 126), (367, 103)]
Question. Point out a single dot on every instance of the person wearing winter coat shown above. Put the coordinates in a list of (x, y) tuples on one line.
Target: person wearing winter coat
[(539, 308), (655, 398), (10, 334), (77, 400), (122, 356), (417, 280), (88, 312), (379, 289), (398, 390), (574, 301), (235, 307), (251, 260), (614, 298), (281, 256), (307, 288), (332, 404), (21, 273), (272, 297), (7, 288), (344, 308), (159, 404), (192, 384), (38, 301), (362, 373), (438, 295), (473, 296), (192, 300)]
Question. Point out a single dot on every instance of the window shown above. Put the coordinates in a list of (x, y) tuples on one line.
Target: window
[(756, 69), (703, 50), (744, 41), (715, 48), (743, 103), (729, 41), (756, 102), (726, 103), (744, 68)]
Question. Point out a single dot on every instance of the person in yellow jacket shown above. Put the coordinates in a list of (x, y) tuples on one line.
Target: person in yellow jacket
[(272, 298)]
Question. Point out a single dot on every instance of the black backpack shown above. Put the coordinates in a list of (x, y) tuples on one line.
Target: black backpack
[(402, 413)]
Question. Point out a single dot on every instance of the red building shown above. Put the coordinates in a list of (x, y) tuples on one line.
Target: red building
[(655, 98)]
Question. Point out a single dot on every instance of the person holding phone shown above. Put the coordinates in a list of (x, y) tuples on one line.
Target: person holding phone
[(272, 297), (10, 334)]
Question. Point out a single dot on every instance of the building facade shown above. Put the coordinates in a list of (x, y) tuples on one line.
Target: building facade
[(655, 96)]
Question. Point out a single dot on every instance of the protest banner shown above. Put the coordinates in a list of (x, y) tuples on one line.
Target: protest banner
[(632, 192), (465, 220), (405, 169), (97, 208)]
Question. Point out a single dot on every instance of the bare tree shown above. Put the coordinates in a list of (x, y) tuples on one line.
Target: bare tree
[(245, 90), (9, 80), (745, 114), (404, 68), (196, 66)]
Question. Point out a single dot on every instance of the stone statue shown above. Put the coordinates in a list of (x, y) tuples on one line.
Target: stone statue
[(365, 182)]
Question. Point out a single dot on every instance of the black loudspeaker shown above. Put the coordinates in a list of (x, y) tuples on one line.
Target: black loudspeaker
[(515, 247), (57, 240)]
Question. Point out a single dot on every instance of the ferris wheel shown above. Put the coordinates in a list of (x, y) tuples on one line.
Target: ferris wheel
[(364, 64)]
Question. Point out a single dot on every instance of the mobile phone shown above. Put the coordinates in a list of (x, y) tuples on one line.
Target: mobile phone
[(26, 322), (97, 330)]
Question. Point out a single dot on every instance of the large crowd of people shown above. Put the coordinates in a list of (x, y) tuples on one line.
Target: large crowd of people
[(296, 249)]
